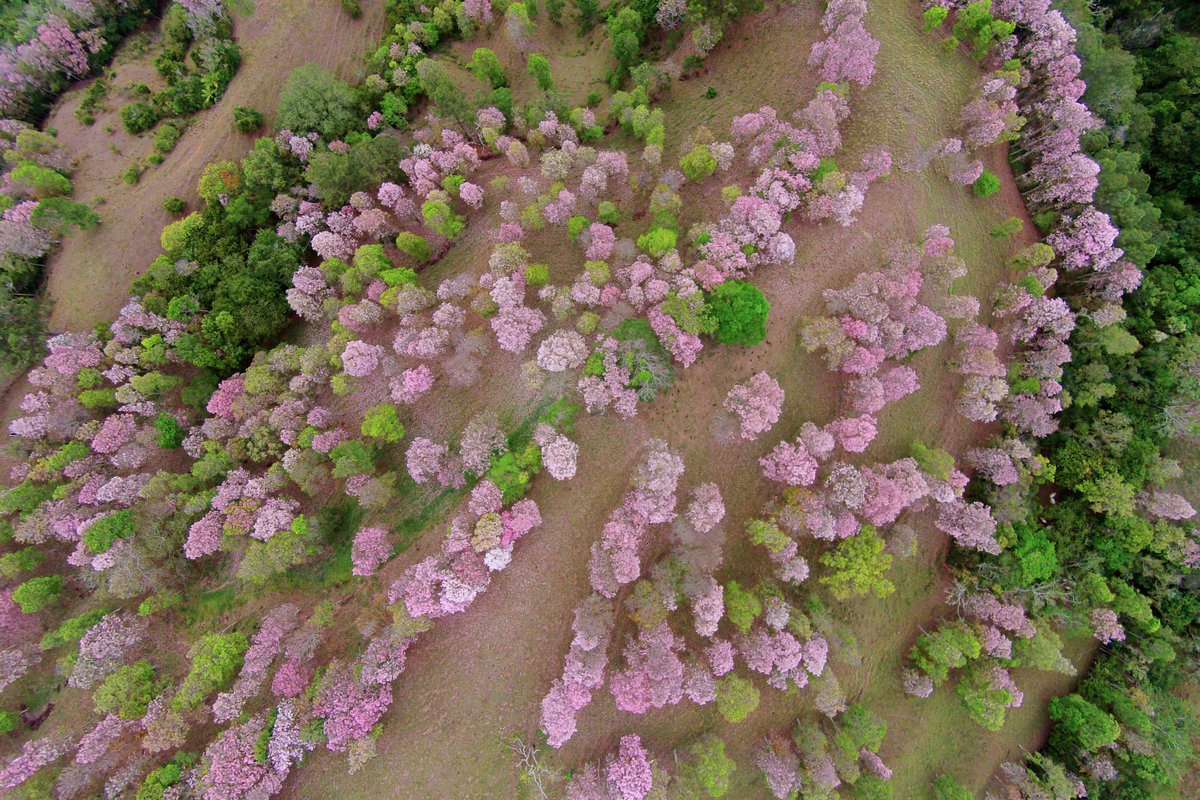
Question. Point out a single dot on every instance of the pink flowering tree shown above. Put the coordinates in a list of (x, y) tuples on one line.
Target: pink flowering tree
[(757, 404)]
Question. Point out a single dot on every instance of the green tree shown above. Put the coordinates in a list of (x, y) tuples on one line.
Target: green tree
[(706, 769), (313, 99), (741, 310), (1082, 723), (587, 13), (101, 534), (445, 93), (741, 606), (382, 422), (487, 68), (736, 698), (216, 659), (127, 691), (247, 119), (698, 164), (60, 214), (414, 246), (37, 594), (986, 184), (859, 566), (539, 70)]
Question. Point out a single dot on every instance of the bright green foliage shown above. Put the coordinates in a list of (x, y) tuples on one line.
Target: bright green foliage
[(627, 31), (976, 24), (1082, 723), (859, 728), (933, 461), (741, 606), (155, 785), (170, 433), (946, 788), (706, 770), (72, 630), (38, 181), (736, 698), (934, 16), (127, 691), (951, 646), (383, 423), (539, 70), (691, 312), (313, 99), (537, 274), (9, 721), (102, 533), (859, 566), (414, 246), (354, 457), (24, 560), (1036, 554), (438, 215), (37, 594), (741, 310), (159, 601), (247, 119), (986, 184), (698, 164), (511, 471), (985, 704), (216, 659), (1042, 651), (174, 205), (657, 241), (487, 68)]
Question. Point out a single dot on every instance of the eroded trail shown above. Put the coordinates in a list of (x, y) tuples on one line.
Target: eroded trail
[(477, 679)]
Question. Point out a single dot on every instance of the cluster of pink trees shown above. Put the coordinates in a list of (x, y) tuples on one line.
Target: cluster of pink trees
[(1059, 175), (61, 48), (820, 761)]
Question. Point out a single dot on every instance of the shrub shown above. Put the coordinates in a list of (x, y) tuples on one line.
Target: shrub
[(736, 698), (167, 136), (174, 205), (127, 691), (352, 7), (740, 309), (215, 660), (132, 175), (247, 119), (8, 721), (946, 788), (986, 184), (37, 594), (138, 117)]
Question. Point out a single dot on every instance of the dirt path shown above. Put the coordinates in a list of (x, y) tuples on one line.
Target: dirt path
[(88, 279), (478, 678)]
